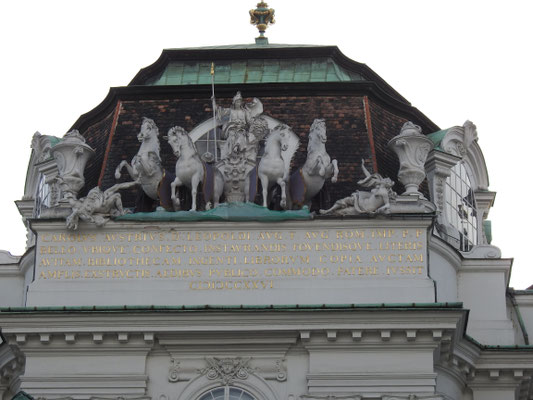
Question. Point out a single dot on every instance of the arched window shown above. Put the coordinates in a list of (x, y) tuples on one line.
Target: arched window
[(42, 197), (460, 207), (226, 393)]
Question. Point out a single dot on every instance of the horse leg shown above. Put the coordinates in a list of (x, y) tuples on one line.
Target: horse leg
[(175, 199), (335, 171), (322, 168), (219, 187), (119, 168), (247, 189), (264, 185), (283, 202), (195, 181)]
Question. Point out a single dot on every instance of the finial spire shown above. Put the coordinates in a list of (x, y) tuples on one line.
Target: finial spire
[(261, 17)]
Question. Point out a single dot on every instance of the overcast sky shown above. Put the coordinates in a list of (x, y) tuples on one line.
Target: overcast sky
[(453, 60)]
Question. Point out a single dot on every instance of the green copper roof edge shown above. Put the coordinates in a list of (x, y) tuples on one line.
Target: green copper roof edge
[(496, 347), (281, 307), (436, 138), (22, 395)]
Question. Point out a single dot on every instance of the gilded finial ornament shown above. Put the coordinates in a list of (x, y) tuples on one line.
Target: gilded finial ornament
[(261, 17)]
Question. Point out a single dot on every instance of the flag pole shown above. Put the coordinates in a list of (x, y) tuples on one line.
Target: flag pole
[(214, 108)]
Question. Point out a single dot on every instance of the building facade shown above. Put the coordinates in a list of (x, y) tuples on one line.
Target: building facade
[(305, 234)]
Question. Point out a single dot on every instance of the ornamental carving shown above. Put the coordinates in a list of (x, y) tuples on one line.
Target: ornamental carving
[(281, 370), (458, 139), (173, 371), (71, 155), (412, 149), (227, 369)]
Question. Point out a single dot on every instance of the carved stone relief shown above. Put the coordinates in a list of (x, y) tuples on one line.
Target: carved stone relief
[(173, 371), (41, 145), (227, 370), (459, 138)]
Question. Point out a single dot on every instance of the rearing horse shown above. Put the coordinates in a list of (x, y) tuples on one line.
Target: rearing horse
[(307, 181), (280, 146), (190, 170), (145, 168)]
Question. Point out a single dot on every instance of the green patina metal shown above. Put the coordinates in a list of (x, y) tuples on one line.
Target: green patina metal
[(54, 140), (487, 229), (512, 347), (224, 212), (321, 69), (436, 138), (22, 396)]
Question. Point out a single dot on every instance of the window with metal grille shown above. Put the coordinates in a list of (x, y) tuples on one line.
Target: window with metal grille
[(461, 207), (226, 393)]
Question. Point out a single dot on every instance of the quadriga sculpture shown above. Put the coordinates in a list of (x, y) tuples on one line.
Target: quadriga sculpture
[(307, 181), (191, 170), (146, 168), (280, 146)]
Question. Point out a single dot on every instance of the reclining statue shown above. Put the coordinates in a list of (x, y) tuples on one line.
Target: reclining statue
[(376, 201), (97, 207)]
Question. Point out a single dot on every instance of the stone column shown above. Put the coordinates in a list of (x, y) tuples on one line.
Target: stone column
[(438, 168)]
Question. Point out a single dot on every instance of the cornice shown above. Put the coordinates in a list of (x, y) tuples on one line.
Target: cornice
[(392, 221), (350, 321)]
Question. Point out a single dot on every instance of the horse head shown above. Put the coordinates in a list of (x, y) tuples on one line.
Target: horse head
[(317, 133), (281, 132), (177, 137), (148, 130)]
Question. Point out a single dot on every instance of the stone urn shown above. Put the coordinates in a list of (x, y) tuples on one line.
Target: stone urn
[(412, 149), (71, 155)]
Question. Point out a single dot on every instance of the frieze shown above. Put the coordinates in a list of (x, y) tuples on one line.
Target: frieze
[(247, 155)]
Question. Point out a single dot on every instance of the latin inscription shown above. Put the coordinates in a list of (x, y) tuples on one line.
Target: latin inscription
[(232, 260)]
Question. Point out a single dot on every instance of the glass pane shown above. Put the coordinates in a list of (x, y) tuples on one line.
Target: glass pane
[(233, 393), (460, 206)]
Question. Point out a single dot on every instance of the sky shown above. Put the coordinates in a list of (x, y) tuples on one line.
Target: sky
[(453, 60)]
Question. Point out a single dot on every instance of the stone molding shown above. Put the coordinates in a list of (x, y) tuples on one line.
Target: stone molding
[(125, 333), (438, 166)]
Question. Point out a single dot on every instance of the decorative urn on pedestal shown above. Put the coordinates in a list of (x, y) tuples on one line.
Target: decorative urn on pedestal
[(412, 149), (71, 155)]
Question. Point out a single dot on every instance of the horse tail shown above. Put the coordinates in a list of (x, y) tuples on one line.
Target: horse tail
[(253, 177), (164, 191), (297, 188), (208, 183)]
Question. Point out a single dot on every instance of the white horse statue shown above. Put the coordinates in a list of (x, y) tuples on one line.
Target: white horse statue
[(190, 170), (309, 180), (280, 146), (146, 168)]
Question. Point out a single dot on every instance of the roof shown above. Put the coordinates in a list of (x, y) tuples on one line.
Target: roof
[(257, 64), (321, 69)]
